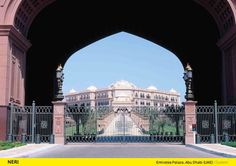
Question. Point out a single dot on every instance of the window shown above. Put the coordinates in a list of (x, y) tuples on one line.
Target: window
[(156, 104), (155, 97), (141, 95), (167, 98), (142, 103)]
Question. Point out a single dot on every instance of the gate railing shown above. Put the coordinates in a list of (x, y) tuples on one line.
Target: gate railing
[(125, 124), (31, 124), (215, 123), (80, 124)]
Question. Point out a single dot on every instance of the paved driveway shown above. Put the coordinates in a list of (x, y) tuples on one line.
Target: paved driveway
[(122, 151), (120, 125)]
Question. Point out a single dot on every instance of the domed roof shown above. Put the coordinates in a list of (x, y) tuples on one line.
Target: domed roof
[(72, 91), (152, 88), (122, 84), (173, 91), (92, 88)]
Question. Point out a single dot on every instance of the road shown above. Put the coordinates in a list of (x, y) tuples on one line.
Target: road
[(122, 124), (123, 151)]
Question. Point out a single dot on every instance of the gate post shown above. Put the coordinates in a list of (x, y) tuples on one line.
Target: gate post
[(190, 120), (10, 133), (59, 121), (33, 122)]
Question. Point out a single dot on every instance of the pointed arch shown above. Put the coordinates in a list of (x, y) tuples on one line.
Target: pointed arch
[(21, 13)]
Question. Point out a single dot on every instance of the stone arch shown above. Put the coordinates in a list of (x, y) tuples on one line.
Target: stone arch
[(129, 24), (16, 17), (223, 12), (21, 13), (22, 21)]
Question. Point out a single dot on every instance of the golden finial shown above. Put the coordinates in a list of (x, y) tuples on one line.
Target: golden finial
[(188, 67), (59, 68)]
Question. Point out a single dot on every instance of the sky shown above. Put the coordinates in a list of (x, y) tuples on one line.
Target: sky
[(123, 56)]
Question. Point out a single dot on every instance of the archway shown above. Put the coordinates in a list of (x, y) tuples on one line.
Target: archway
[(191, 44), (209, 43), (19, 15), (123, 56)]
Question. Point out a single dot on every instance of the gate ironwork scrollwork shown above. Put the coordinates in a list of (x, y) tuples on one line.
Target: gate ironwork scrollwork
[(216, 123), (30, 123), (124, 124)]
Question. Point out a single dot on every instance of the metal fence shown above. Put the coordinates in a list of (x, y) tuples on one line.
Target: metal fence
[(80, 124), (167, 125), (215, 123), (124, 124), (30, 123)]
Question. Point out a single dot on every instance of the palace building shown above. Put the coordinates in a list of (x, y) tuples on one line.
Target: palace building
[(123, 93)]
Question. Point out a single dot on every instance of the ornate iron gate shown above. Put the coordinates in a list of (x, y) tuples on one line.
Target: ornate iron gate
[(80, 124), (124, 124), (215, 123), (30, 123)]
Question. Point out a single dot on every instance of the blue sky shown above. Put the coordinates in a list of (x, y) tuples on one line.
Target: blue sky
[(123, 56)]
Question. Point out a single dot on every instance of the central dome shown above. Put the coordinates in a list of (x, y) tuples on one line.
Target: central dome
[(122, 84), (72, 91), (92, 88), (152, 88)]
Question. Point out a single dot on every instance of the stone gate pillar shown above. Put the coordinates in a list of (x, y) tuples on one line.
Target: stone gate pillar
[(227, 44), (13, 47), (3, 122), (4, 82), (59, 122), (190, 119)]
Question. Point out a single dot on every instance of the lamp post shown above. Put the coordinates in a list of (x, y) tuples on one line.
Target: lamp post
[(60, 77), (188, 76)]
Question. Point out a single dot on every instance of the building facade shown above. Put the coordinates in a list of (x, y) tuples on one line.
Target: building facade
[(123, 93)]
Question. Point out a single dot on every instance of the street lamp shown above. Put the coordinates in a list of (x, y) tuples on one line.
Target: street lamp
[(60, 77), (188, 76)]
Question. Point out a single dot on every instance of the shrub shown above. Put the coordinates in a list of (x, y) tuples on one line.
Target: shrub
[(7, 145), (232, 144)]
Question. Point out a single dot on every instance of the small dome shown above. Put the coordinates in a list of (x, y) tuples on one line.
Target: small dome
[(72, 91), (173, 91), (152, 88), (123, 85), (92, 88)]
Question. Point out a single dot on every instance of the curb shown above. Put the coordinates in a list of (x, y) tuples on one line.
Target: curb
[(25, 154), (212, 151), (15, 148)]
